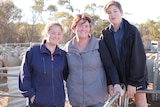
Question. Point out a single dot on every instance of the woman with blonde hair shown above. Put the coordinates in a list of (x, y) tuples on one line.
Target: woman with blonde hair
[(43, 70)]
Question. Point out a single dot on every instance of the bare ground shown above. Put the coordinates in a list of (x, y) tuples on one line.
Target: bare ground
[(4, 100), (3, 90)]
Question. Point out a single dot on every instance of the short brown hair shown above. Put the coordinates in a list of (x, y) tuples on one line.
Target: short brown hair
[(113, 2), (78, 17)]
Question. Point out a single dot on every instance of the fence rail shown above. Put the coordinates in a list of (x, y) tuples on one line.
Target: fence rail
[(124, 100), (11, 95), (149, 91), (19, 44), (15, 99)]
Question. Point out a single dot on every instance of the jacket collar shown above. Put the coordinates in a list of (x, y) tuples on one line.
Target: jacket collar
[(44, 49), (92, 45), (120, 26)]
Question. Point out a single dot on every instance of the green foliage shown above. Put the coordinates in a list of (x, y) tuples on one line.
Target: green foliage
[(9, 14), (63, 2), (150, 31), (38, 6), (98, 27)]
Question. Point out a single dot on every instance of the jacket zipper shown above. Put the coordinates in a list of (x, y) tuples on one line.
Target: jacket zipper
[(52, 58), (44, 66), (54, 97), (82, 77)]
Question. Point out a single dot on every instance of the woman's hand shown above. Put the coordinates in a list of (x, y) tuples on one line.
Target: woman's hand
[(111, 90)]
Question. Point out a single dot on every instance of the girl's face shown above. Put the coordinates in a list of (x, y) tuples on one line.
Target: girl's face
[(82, 29), (54, 35), (114, 15)]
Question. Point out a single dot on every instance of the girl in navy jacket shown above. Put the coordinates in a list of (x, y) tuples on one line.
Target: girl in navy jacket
[(43, 70)]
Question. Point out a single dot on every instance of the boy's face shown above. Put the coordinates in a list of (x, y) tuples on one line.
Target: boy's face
[(114, 15)]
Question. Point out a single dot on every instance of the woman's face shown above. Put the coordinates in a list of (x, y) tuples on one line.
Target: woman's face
[(82, 29), (54, 35), (114, 15)]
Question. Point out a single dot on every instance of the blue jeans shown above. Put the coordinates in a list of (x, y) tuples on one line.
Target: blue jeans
[(97, 105)]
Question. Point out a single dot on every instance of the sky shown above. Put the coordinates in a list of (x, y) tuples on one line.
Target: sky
[(140, 10)]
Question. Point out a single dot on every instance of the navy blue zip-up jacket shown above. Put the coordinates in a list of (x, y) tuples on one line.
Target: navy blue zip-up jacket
[(42, 75)]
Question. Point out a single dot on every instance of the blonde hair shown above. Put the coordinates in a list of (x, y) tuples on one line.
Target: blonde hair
[(49, 26)]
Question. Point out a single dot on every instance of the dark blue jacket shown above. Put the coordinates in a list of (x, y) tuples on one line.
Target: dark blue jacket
[(42, 75)]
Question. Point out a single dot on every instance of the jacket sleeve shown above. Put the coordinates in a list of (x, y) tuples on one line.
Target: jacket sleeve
[(25, 76), (110, 70), (138, 69), (65, 71)]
